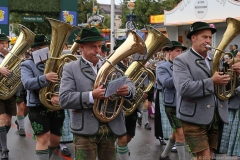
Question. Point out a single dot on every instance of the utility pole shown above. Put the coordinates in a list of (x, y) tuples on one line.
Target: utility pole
[(112, 24)]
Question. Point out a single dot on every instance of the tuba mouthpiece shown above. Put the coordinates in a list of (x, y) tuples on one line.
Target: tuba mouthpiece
[(100, 57), (208, 46)]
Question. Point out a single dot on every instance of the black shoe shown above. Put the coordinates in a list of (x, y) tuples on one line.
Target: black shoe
[(4, 155), (174, 149), (139, 121), (16, 122), (21, 132), (162, 142), (0, 148), (66, 152), (166, 158), (147, 126)]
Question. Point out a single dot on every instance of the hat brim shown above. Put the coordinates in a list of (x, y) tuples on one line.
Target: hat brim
[(174, 46), (5, 40), (165, 49), (199, 29), (91, 39), (39, 44)]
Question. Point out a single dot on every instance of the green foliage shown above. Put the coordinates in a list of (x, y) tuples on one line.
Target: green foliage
[(144, 8), (35, 6), (107, 21), (85, 9)]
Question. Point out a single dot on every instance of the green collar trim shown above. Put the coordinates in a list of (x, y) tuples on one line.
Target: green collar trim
[(196, 54)]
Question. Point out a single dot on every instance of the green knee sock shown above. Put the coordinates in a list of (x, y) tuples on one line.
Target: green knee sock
[(42, 154), (20, 120), (168, 148), (181, 150), (51, 151), (123, 152)]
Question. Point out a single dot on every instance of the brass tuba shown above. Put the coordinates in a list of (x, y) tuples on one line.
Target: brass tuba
[(138, 73), (60, 34), (101, 108), (13, 60), (233, 29)]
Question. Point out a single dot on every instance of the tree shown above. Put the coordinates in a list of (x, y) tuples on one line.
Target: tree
[(19, 8), (107, 21), (85, 9), (144, 8)]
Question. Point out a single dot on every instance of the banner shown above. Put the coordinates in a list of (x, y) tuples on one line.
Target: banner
[(69, 17), (3, 15)]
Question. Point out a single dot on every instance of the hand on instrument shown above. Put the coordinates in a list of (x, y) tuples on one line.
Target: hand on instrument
[(144, 97), (236, 67), (52, 77), (98, 93), (55, 100), (5, 71), (123, 90), (220, 79)]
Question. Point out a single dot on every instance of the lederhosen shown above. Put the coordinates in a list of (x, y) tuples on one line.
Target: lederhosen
[(43, 120)]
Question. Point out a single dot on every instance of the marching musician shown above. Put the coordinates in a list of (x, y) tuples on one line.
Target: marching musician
[(161, 122), (197, 105), (7, 107), (165, 77), (47, 125), (92, 138), (130, 121)]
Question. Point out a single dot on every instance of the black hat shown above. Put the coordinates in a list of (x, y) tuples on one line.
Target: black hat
[(104, 48), (40, 40), (3, 37), (197, 26), (90, 35), (177, 44), (118, 43)]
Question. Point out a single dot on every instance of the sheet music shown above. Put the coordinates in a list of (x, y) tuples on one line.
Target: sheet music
[(112, 86), (41, 55)]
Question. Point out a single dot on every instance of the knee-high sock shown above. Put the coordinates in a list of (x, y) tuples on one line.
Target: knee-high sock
[(42, 154), (145, 115), (51, 151), (3, 138), (181, 150), (168, 148), (20, 120), (7, 128), (123, 152)]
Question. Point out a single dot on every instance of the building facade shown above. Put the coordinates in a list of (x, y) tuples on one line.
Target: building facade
[(178, 20)]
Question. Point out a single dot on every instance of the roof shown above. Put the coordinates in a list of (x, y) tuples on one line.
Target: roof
[(106, 9)]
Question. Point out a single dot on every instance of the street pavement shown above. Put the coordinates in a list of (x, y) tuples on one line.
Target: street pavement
[(144, 146)]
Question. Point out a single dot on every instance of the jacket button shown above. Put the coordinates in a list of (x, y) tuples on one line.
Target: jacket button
[(208, 106), (221, 106)]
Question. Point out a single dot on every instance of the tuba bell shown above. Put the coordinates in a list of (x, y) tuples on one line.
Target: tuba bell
[(138, 73), (60, 34), (13, 60), (233, 29), (108, 72)]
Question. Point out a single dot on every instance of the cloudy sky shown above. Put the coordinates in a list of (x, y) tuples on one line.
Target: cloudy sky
[(108, 1)]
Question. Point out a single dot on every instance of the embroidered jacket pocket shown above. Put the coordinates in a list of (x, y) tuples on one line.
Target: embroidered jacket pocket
[(187, 108), (76, 120), (169, 98)]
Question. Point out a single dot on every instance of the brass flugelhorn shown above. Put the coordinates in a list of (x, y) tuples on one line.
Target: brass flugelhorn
[(60, 34), (9, 85), (108, 109), (138, 73), (233, 29)]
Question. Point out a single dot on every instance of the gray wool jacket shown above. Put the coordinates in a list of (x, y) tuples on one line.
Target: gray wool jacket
[(196, 99), (77, 81)]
